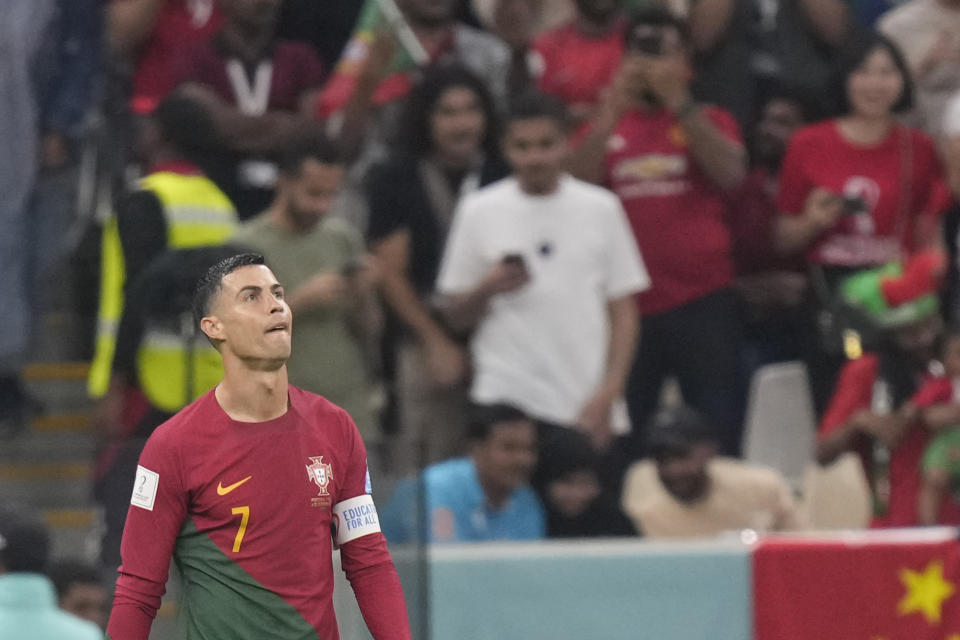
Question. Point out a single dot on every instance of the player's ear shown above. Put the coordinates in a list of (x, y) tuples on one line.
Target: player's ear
[(212, 328)]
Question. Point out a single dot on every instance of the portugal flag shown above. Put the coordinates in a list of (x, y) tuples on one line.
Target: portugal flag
[(900, 587)]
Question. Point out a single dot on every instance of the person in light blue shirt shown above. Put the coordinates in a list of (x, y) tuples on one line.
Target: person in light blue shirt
[(483, 497), (28, 603)]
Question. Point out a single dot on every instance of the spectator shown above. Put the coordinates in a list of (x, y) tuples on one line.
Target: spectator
[(870, 413), (152, 34), (329, 281), (577, 61), (376, 71), (515, 22), (858, 190), (480, 498), (28, 606), (447, 148), (938, 402), (48, 75), (174, 206), (80, 590), (926, 31), (255, 88), (541, 266), (154, 343), (770, 287), (673, 163), (688, 492), (569, 484)]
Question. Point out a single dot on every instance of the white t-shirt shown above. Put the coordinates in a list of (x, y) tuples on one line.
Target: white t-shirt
[(543, 348)]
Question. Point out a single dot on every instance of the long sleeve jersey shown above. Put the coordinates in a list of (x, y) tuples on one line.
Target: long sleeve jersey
[(246, 511)]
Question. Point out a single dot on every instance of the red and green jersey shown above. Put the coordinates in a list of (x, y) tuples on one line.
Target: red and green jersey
[(245, 511)]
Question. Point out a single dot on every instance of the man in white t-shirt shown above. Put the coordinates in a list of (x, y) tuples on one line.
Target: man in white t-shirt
[(543, 268)]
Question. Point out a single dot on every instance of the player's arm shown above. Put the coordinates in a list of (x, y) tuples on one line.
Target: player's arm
[(157, 511), (363, 549)]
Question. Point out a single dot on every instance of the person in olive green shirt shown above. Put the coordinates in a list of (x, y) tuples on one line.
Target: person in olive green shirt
[(330, 282)]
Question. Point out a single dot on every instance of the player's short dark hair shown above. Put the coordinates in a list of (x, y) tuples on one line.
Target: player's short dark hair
[(69, 572), (481, 418), (675, 431), (209, 285), (851, 56), (186, 125), (534, 104), (24, 540), (655, 15), (316, 146)]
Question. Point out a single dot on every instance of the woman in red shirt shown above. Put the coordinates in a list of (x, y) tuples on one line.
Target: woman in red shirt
[(860, 190)]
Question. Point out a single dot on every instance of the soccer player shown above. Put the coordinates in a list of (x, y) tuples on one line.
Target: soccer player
[(245, 488)]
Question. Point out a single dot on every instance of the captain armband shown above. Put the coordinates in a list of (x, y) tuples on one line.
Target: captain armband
[(354, 518)]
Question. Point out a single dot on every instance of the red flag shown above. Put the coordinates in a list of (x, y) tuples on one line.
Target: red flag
[(891, 585)]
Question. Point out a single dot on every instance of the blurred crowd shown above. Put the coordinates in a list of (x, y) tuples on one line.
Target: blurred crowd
[(538, 249)]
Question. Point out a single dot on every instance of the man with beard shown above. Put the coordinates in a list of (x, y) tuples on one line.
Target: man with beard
[(871, 412), (689, 492)]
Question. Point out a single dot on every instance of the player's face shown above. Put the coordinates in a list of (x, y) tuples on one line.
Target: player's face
[(573, 493), (251, 318), (875, 86), (537, 151), (311, 193), (457, 126), (685, 476), (507, 456), (87, 601)]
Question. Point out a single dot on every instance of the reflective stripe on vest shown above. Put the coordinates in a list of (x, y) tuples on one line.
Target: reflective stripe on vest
[(162, 369), (197, 213)]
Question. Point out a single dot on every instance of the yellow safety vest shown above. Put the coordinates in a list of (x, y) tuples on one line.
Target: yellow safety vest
[(198, 214)]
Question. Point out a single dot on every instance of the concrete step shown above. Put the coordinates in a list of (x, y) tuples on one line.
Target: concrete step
[(75, 533), (56, 446), (47, 484)]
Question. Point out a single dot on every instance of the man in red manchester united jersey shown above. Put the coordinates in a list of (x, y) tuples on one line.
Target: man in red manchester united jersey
[(244, 487)]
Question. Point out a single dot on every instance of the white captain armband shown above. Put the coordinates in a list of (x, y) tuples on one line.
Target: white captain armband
[(355, 518)]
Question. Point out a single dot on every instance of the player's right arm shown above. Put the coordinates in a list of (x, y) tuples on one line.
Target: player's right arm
[(158, 508)]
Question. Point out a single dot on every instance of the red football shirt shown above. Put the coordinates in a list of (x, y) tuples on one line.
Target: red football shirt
[(179, 25), (818, 155), (245, 511), (575, 68), (676, 213), (854, 393)]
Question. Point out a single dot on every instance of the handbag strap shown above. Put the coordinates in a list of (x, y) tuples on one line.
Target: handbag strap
[(906, 181)]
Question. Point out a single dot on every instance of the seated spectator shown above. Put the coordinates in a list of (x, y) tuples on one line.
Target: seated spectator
[(28, 606), (926, 31), (483, 497), (329, 283), (152, 34), (673, 162), (255, 88), (870, 412), (377, 71), (80, 590), (577, 61), (542, 268), (938, 402), (569, 485), (858, 191), (447, 147), (686, 491)]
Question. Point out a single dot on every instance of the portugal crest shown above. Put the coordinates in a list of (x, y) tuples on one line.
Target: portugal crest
[(320, 473)]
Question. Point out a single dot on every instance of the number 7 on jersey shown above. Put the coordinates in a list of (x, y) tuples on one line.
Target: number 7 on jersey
[(244, 512)]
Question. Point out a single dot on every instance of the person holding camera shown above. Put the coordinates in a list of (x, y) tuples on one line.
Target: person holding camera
[(860, 191), (673, 162), (331, 282), (542, 268)]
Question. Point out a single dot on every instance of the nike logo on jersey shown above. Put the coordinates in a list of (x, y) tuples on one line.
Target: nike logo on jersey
[(222, 490)]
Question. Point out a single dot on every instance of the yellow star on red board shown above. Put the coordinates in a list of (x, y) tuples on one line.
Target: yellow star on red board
[(926, 591)]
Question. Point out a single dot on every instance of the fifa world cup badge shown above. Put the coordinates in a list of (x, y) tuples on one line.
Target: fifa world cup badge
[(320, 473)]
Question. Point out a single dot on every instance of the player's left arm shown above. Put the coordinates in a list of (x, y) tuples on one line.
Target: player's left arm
[(363, 549)]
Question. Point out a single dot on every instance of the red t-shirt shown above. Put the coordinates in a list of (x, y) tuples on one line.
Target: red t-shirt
[(246, 510), (854, 392), (818, 155), (750, 219), (676, 212), (575, 68), (180, 24)]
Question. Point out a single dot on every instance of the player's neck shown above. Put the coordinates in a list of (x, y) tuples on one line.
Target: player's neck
[(253, 396)]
